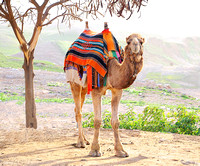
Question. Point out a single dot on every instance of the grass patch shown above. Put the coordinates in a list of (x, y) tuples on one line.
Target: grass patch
[(10, 97), (139, 91), (8, 42), (47, 66), (11, 62), (135, 103), (15, 62), (20, 99), (135, 91), (106, 100), (183, 96), (155, 119), (165, 79), (55, 100), (55, 84), (88, 101)]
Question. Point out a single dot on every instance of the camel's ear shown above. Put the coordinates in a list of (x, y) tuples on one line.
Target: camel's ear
[(143, 40)]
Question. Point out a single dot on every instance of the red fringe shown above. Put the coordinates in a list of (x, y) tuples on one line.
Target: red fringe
[(89, 78)]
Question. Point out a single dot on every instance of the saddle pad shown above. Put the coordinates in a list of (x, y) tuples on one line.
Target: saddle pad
[(88, 49), (91, 51)]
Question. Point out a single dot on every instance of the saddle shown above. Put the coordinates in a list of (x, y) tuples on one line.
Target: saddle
[(86, 60)]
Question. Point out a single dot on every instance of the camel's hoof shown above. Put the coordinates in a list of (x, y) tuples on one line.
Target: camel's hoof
[(121, 153), (87, 142), (95, 153), (80, 145)]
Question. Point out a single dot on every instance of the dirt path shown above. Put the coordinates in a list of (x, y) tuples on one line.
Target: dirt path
[(56, 147)]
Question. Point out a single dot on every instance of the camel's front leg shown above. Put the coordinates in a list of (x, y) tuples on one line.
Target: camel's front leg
[(83, 93), (79, 95), (116, 96), (96, 99)]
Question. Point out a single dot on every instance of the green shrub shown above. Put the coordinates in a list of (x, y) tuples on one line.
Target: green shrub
[(90, 119), (153, 119), (184, 122), (178, 120), (106, 119)]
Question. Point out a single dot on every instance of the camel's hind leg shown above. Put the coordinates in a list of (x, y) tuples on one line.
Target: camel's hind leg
[(116, 96), (79, 97)]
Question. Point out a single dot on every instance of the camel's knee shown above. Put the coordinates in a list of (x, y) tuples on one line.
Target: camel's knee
[(115, 124), (78, 117), (97, 123)]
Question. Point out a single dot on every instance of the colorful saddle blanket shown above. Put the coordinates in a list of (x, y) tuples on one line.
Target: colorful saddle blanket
[(88, 55)]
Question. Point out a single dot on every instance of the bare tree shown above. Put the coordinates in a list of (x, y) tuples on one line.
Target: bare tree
[(40, 15)]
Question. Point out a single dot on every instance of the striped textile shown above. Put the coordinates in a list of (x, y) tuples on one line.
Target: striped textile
[(92, 50), (88, 49), (111, 47)]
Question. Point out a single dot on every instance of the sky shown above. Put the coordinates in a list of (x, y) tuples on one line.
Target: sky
[(165, 18)]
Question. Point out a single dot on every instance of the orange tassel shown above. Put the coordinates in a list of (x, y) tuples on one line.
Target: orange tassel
[(89, 78)]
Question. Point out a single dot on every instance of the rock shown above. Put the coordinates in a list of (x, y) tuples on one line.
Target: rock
[(108, 149), (187, 162), (124, 143), (162, 140), (83, 160)]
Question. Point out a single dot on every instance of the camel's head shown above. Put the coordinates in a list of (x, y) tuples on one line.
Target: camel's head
[(135, 43)]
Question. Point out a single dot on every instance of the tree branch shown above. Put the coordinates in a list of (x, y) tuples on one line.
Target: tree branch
[(10, 12), (61, 15), (38, 26), (3, 16), (25, 13), (4, 12), (32, 43), (50, 7), (44, 4), (34, 3), (16, 30)]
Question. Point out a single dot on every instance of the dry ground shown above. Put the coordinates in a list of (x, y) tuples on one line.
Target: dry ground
[(53, 142), (56, 147)]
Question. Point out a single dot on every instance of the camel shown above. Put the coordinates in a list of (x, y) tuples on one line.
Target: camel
[(119, 77)]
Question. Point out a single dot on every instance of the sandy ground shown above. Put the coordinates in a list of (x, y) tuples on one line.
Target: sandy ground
[(53, 142), (56, 147)]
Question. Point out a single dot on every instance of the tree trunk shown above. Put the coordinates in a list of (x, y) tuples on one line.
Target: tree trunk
[(30, 107)]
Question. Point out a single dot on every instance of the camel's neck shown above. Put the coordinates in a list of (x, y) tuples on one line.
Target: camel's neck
[(121, 75)]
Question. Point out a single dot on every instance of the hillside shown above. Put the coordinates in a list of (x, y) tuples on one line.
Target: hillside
[(167, 53)]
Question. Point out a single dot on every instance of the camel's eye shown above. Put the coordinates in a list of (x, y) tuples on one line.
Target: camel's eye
[(141, 41), (129, 41)]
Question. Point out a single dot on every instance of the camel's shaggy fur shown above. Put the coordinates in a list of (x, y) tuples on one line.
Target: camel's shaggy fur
[(120, 76)]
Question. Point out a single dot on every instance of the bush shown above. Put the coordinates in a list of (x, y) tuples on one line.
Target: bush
[(155, 119), (185, 122)]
